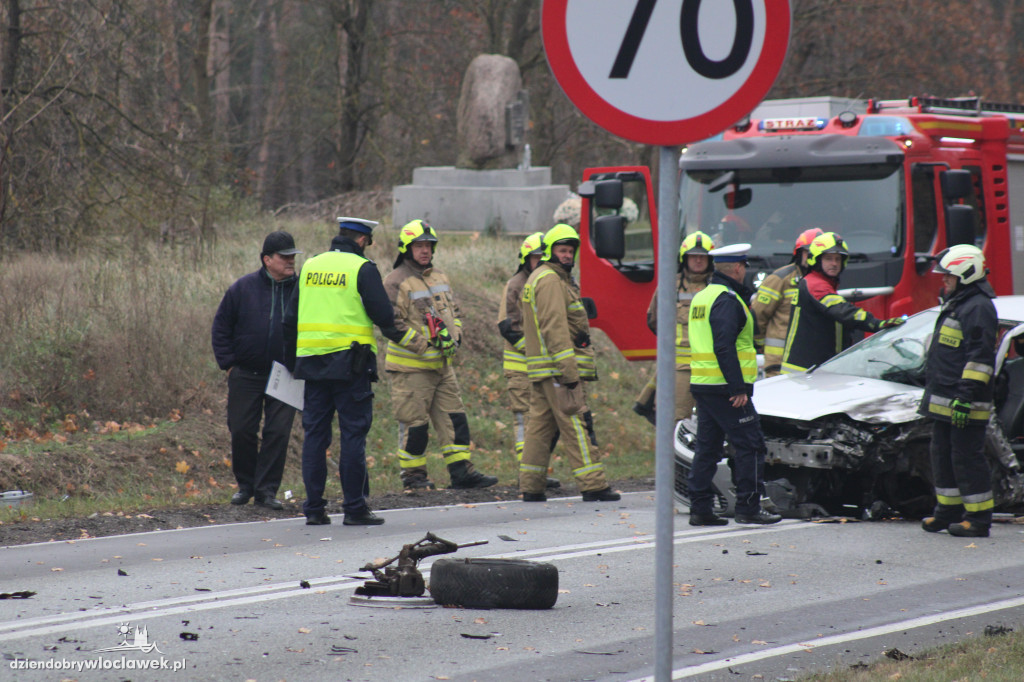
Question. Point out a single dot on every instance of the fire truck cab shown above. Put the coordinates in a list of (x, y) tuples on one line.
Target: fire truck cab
[(899, 180)]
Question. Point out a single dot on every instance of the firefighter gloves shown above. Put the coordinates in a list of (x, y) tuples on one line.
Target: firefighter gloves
[(959, 412), (444, 341), (892, 322)]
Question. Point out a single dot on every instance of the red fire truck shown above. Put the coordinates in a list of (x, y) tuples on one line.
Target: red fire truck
[(899, 180)]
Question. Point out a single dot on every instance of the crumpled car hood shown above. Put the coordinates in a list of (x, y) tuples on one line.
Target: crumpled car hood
[(809, 396)]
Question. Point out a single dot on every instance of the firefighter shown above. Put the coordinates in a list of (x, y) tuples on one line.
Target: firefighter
[(558, 356), (822, 321), (774, 302), (724, 368), (424, 388), (958, 394), (510, 326), (694, 270)]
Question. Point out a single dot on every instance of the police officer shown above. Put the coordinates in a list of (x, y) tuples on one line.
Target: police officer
[(558, 356), (823, 322), (958, 394), (510, 326), (419, 364), (774, 301), (695, 265), (724, 367), (329, 328), (247, 338)]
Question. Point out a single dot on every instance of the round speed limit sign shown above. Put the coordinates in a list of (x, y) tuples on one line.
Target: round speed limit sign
[(665, 72)]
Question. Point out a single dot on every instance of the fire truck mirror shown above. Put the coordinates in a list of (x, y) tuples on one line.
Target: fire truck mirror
[(590, 307), (956, 184), (608, 194), (960, 220), (738, 199), (609, 237)]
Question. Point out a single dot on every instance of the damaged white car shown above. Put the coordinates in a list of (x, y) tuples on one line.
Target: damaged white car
[(845, 437)]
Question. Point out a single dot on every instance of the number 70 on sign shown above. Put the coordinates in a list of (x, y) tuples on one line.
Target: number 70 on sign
[(665, 72)]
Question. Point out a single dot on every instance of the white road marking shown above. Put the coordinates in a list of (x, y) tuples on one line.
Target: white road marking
[(65, 622), (897, 626)]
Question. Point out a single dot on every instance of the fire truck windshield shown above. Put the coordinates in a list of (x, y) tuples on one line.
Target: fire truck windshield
[(769, 207)]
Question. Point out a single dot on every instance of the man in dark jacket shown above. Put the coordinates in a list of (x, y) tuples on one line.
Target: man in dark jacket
[(247, 339), (958, 394), (330, 344), (822, 321), (723, 365)]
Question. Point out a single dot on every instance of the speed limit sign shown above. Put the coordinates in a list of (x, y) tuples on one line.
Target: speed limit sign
[(665, 72)]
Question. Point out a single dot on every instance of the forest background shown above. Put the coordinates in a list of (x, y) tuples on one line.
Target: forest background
[(146, 147)]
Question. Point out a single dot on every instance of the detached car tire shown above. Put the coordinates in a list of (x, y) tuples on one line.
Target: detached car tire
[(494, 583)]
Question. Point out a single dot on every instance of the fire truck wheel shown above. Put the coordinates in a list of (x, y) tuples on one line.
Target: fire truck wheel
[(494, 583)]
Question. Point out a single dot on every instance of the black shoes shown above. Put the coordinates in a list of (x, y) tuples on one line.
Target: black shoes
[(465, 477), (761, 518), (319, 518), (241, 497), (535, 497), (603, 495), (932, 524), (269, 503), (362, 518), (552, 483), (707, 520), (966, 529)]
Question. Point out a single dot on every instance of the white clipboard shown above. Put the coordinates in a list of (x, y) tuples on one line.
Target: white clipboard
[(284, 387)]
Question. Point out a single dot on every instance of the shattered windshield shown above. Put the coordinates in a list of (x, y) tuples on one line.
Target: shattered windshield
[(895, 354), (769, 207)]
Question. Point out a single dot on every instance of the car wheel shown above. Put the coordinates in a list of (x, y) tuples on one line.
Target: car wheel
[(494, 583)]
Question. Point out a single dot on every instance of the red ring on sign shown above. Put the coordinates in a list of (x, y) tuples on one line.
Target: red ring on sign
[(665, 133)]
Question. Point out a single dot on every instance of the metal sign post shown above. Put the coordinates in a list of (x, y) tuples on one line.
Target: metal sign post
[(665, 73)]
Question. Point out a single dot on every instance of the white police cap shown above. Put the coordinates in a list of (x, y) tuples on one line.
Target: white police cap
[(733, 253), (357, 224)]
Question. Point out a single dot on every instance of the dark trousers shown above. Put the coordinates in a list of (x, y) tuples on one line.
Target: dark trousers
[(258, 466), (353, 403), (961, 474), (717, 420)]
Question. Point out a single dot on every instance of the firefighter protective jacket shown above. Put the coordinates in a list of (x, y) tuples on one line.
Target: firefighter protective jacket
[(962, 355), (772, 307), (510, 323), (555, 328), (687, 286), (415, 291), (822, 323)]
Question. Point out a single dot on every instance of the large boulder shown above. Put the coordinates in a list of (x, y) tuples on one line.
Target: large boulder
[(492, 81)]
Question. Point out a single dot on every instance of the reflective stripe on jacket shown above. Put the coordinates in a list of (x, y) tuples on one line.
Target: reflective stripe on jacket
[(331, 315), (553, 321), (962, 355), (414, 292), (704, 365)]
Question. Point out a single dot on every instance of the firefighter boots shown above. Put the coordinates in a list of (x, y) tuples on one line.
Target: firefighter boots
[(464, 476), (416, 479), (966, 529)]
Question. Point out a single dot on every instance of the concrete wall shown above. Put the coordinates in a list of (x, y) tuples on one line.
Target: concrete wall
[(512, 201)]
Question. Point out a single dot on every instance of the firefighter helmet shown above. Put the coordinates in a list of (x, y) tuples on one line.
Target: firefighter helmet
[(416, 231), (963, 261), (560, 234), (696, 244), (805, 239), (531, 246), (827, 242)]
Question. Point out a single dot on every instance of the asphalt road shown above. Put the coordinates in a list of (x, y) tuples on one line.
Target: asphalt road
[(225, 602)]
